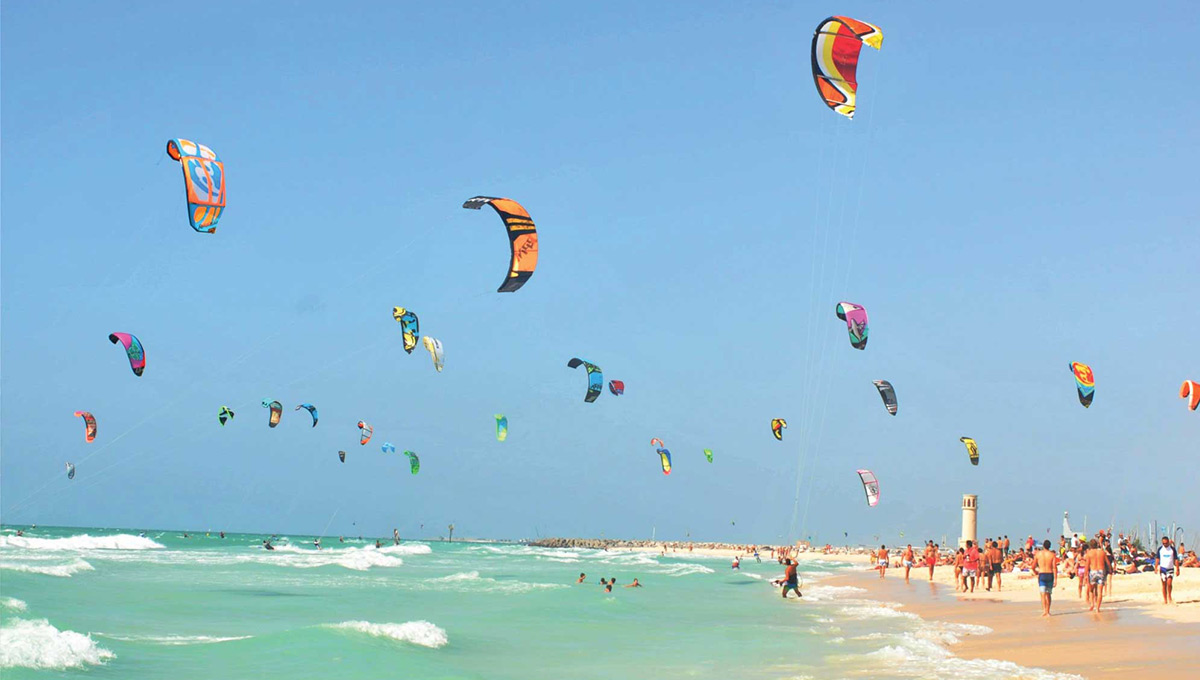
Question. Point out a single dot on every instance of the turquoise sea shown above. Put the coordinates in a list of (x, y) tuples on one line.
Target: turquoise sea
[(98, 603)]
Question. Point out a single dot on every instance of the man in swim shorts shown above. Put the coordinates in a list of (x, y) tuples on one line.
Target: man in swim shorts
[(1045, 565), (908, 560), (1097, 564), (790, 580), (970, 565), (1166, 563), (882, 560)]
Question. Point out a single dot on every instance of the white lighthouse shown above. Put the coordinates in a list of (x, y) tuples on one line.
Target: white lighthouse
[(970, 509)]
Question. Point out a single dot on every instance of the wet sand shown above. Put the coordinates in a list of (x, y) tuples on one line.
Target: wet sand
[(1121, 639)]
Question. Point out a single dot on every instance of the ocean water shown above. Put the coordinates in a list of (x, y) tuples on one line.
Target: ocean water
[(97, 603)]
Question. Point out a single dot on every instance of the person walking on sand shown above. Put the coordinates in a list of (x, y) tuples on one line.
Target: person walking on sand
[(1097, 564), (882, 557), (1166, 565), (932, 558), (908, 560), (970, 565), (958, 570), (997, 560), (1045, 565)]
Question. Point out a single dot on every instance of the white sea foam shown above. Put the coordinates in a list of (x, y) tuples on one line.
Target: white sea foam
[(81, 542), (471, 581), (682, 569), (37, 644), (174, 640), (47, 568), (421, 633), (822, 593), (876, 610), (13, 604), (927, 659)]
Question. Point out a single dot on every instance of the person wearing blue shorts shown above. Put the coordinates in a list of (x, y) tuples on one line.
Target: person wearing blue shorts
[(1045, 565)]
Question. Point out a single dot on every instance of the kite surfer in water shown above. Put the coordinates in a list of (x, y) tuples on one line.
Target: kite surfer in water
[(267, 544)]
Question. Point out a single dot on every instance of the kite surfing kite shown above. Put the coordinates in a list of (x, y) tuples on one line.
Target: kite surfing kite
[(276, 411), (342, 456), (594, 375), (1085, 382), (664, 457), (870, 486), (657, 442), (1190, 388), (887, 394), (522, 239), (364, 433), (414, 463), (617, 387), (70, 471), (312, 411), (435, 350), (224, 414), (409, 327), (972, 449), (835, 49), (501, 427), (89, 422), (133, 348), (387, 448), (856, 323), (708, 454), (778, 425), (204, 180)]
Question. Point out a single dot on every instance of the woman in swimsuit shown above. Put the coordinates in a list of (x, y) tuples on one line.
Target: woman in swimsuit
[(1081, 574)]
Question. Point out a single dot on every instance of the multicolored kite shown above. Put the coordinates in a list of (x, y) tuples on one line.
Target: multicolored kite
[(595, 378), (1085, 382), (435, 351), (409, 327), (835, 50), (1192, 388), (870, 486), (133, 349), (414, 463), (364, 433), (70, 471), (522, 238), (664, 457), (89, 423), (887, 394), (501, 427), (972, 449), (224, 414), (856, 323), (312, 411), (204, 179), (617, 387), (276, 411), (778, 425), (708, 454)]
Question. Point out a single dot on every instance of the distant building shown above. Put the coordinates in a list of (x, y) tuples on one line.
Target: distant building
[(970, 509)]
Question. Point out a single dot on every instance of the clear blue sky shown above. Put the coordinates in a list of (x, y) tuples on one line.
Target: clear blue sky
[(1017, 192)]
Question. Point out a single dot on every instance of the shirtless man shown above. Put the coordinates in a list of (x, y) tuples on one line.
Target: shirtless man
[(1045, 565), (997, 560), (790, 580), (882, 560), (908, 560), (1097, 564)]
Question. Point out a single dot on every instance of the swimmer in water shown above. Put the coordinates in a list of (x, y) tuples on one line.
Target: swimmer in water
[(582, 577), (737, 564), (635, 584), (222, 534), (341, 540), (608, 588), (378, 544)]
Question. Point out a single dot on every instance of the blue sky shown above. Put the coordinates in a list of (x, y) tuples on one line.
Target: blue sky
[(1016, 193)]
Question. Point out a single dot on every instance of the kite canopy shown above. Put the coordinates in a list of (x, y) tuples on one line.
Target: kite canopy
[(708, 454), (972, 449), (387, 448), (364, 433), (887, 394), (435, 351), (70, 471), (595, 378), (1085, 382), (617, 387), (1190, 388), (224, 414), (778, 425), (204, 180), (342, 456), (856, 323), (664, 457), (657, 442), (836, 45), (276, 411), (522, 239), (414, 463), (312, 411), (501, 427), (133, 349), (409, 326), (89, 422), (870, 486)]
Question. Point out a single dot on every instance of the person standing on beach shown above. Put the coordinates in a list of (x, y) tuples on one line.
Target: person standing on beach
[(932, 558), (958, 570), (997, 560), (970, 565), (1097, 564), (908, 560), (1004, 545), (882, 557), (1166, 563), (790, 580), (1045, 565)]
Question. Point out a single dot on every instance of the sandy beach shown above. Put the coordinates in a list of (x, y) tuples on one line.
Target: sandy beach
[(1134, 632)]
